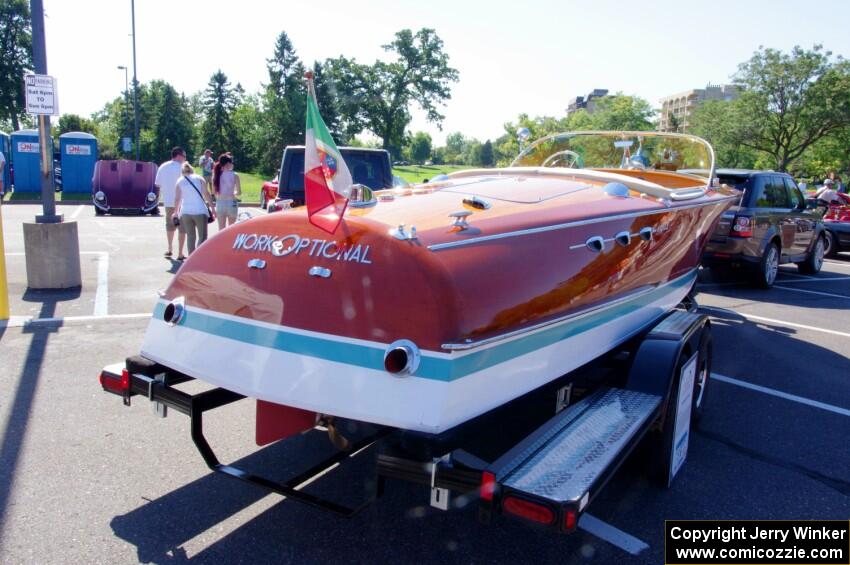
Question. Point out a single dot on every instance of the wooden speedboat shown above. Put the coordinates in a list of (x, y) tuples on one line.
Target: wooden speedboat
[(436, 303)]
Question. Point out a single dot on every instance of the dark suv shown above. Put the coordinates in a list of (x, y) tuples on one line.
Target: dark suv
[(369, 167), (771, 225)]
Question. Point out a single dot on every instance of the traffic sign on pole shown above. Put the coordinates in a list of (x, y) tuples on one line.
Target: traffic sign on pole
[(41, 95)]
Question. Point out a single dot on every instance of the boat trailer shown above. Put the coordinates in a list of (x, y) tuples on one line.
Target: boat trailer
[(548, 478)]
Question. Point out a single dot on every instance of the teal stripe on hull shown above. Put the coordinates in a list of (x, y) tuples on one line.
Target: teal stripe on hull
[(430, 367)]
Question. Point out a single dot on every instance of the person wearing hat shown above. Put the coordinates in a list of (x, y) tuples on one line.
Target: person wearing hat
[(827, 193), (206, 162)]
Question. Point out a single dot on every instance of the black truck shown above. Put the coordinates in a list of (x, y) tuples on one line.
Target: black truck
[(369, 167)]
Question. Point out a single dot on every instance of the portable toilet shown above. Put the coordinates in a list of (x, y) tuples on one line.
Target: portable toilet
[(6, 148), (26, 156), (78, 155)]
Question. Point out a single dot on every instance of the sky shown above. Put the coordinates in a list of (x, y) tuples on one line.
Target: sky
[(519, 57)]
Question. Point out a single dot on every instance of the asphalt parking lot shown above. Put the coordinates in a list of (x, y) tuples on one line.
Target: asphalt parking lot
[(88, 480)]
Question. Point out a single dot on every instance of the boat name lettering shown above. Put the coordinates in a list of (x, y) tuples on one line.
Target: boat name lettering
[(293, 244)]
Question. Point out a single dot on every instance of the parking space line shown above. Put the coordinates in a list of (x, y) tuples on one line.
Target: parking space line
[(775, 321), (839, 263), (784, 395), (77, 212), (21, 253), (829, 294), (101, 294), (23, 321), (817, 279), (614, 536)]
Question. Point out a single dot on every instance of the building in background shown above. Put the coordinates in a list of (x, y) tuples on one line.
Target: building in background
[(677, 109), (587, 102)]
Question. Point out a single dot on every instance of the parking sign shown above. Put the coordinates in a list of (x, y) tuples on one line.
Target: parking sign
[(41, 95)]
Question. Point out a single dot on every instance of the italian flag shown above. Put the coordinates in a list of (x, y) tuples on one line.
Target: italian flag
[(327, 182)]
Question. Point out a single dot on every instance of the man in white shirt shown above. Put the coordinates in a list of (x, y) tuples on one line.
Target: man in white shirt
[(827, 193), (166, 179)]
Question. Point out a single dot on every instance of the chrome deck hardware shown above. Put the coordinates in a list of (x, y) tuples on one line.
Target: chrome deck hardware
[(361, 196), (401, 233), (477, 202), (595, 244), (623, 238), (317, 271), (460, 219)]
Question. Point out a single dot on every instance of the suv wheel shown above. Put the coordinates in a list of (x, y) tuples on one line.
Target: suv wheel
[(768, 267), (813, 263), (830, 247)]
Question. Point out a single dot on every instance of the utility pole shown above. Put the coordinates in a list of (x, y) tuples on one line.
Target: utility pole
[(135, 81), (51, 246), (39, 57)]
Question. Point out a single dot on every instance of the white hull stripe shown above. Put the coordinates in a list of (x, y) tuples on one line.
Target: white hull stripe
[(436, 367)]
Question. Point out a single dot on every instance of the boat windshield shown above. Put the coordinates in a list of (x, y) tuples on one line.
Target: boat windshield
[(651, 151)]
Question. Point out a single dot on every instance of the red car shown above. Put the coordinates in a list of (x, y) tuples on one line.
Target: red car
[(836, 220), (268, 193)]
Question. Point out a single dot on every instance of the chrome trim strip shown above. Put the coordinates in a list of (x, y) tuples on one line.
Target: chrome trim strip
[(687, 194), (631, 295), (589, 221)]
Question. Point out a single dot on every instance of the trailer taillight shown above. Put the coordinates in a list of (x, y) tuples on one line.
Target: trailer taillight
[(742, 226), (529, 510), (488, 486), (570, 519), (115, 384)]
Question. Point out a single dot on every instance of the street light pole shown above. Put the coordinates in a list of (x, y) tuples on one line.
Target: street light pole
[(135, 81), (126, 97)]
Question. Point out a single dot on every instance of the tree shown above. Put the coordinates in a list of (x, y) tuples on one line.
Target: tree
[(73, 122), (622, 112), (284, 101), (165, 119), (219, 102), (717, 122), (472, 153), (455, 143), (791, 101), (487, 157), (420, 147), (379, 96), (16, 58), (172, 125)]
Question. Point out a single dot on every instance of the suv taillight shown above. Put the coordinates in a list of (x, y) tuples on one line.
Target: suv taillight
[(742, 226)]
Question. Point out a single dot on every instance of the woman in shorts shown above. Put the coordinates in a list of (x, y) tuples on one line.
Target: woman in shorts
[(192, 200), (227, 190)]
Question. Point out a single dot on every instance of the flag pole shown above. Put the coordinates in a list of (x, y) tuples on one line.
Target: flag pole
[(311, 87)]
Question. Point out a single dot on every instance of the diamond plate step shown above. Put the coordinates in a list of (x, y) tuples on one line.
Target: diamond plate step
[(561, 460)]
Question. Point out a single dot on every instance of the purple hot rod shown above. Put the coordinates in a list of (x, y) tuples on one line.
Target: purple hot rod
[(125, 185)]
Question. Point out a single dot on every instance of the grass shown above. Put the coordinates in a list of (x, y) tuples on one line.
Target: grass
[(58, 196), (251, 185), (418, 173)]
